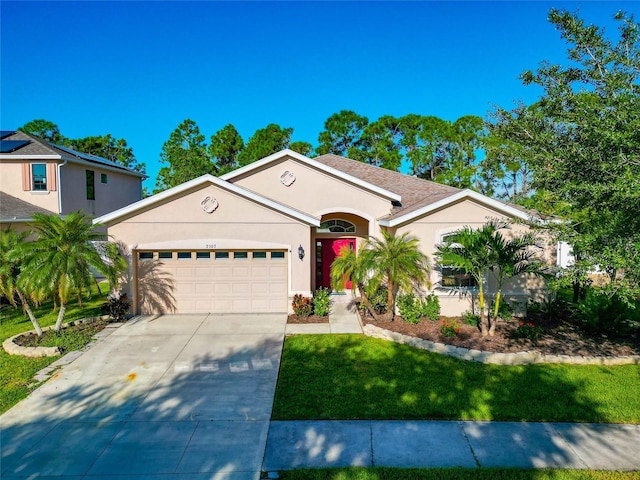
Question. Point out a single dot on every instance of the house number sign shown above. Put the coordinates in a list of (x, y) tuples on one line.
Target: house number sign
[(209, 204)]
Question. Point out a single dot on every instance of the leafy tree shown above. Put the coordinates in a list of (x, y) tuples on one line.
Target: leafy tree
[(582, 142), (342, 135), (225, 147), (106, 146), (264, 142), (58, 260), (382, 139), (185, 154), (10, 266), (45, 130), (426, 144), (303, 148), (397, 262), (467, 134)]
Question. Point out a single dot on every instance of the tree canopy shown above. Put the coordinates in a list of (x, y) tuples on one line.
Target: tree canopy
[(581, 141)]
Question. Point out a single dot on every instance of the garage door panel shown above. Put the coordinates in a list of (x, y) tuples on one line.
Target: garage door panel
[(242, 285)]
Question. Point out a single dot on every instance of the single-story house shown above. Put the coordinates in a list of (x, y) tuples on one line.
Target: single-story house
[(251, 239)]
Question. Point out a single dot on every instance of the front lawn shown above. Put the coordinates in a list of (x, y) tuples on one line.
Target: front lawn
[(355, 377), (16, 373), (452, 474)]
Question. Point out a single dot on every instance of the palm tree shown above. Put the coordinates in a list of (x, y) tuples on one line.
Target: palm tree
[(396, 261), (512, 257), (58, 260), (469, 250), (10, 265)]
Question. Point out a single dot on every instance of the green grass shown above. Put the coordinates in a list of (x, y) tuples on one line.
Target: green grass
[(16, 373), (355, 377), (452, 474)]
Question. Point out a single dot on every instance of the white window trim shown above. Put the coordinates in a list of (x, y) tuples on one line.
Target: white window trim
[(441, 289), (327, 230)]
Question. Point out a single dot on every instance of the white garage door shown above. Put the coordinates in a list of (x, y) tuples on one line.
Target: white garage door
[(212, 281)]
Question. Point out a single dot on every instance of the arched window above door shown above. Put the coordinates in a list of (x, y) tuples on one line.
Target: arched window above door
[(336, 226)]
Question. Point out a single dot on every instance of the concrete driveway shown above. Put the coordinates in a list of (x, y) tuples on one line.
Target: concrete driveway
[(172, 396)]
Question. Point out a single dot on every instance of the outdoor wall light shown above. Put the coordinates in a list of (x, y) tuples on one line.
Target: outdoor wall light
[(300, 252)]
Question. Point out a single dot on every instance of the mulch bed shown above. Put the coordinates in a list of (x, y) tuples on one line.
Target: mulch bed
[(32, 340), (310, 319), (561, 339)]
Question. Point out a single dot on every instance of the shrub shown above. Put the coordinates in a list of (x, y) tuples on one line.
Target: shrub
[(450, 327), (321, 302), (601, 314), (117, 306), (378, 301), (470, 318), (410, 308), (505, 310), (302, 306), (547, 310), (431, 307), (528, 330)]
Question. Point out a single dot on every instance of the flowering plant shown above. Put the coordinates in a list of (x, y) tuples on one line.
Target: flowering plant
[(450, 327), (528, 330)]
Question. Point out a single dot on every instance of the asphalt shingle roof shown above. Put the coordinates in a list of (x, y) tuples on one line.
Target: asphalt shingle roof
[(13, 209), (415, 192)]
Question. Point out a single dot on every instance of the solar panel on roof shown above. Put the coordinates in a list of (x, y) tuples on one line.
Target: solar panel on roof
[(6, 133), (7, 146), (89, 157)]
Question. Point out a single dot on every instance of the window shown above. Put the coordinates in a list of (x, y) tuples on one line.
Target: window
[(260, 255), (165, 255), (277, 254), (240, 255), (38, 176), (455, 277), (184, 255), (145, 255), (337, 226), (222, 255), (103, 178), (203, 255), (91, 185)]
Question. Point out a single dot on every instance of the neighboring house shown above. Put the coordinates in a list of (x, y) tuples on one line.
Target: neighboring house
[(250, 240), (39, 177)]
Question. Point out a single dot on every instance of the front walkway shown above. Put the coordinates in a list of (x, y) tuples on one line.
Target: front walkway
[(343, 318)]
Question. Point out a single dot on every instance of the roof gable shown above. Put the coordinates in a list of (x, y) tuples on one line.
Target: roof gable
[(180, 190), (346, 176)]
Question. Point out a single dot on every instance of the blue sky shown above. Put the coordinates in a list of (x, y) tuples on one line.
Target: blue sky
[(137, 69)]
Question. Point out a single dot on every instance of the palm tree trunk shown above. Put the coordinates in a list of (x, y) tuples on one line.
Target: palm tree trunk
[(367, 303), (492, 328), (32, 317), (484, 324), (390, 299), (63, 308)]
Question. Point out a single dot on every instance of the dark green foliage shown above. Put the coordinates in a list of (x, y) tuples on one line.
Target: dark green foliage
[(264, 142), (601, 314), (505, 310), (117, 307), (379, 300), (226, 144), (322, 302), (450, 327), (470, 318), (304, 148), (528, 330)]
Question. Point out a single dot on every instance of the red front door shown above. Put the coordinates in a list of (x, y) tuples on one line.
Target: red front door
[(328, 250)]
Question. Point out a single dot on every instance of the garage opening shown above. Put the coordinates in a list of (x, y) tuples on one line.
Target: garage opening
[(212, 281)]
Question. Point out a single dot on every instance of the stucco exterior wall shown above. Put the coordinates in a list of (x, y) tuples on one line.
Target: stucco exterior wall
[(237, 223), (119, 191), (315, 192), (11, 183), (431, 228)]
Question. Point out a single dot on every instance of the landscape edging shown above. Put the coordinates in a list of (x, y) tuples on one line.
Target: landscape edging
[(520, 358), (36, 352)]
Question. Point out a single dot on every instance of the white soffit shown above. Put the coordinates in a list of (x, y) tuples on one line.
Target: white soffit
[(445, 202), (312, 163), (203, 180)]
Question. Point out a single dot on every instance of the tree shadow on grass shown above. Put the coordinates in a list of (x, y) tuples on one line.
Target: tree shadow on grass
[(130, 407), (355, 378)]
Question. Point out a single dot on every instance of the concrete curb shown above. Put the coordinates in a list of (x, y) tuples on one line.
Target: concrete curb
[(35, 352), (520, 358)]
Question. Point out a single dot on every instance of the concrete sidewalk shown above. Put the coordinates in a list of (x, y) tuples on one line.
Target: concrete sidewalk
[(429, 444)]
